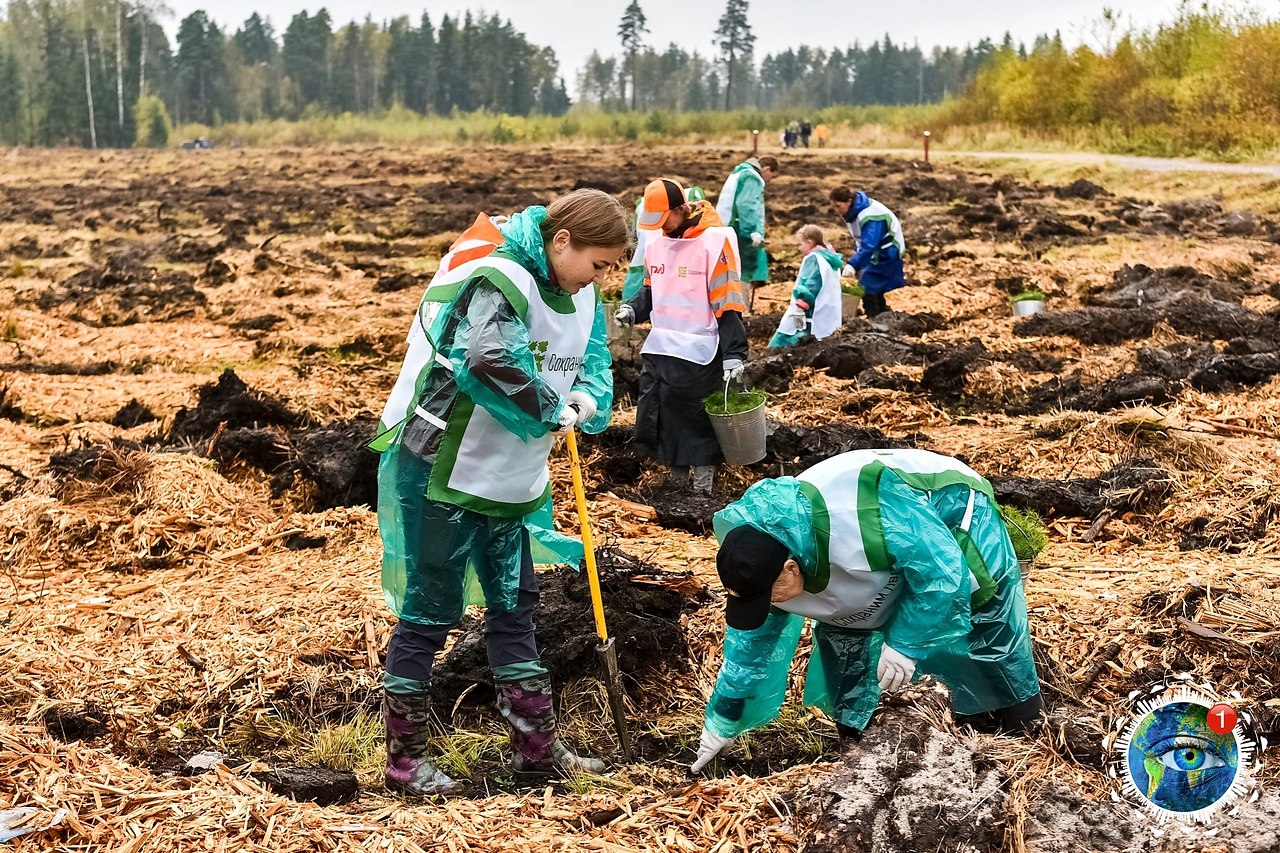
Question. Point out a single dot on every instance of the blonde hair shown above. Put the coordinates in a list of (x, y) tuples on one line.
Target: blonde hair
[(593, 218), (812, 233)]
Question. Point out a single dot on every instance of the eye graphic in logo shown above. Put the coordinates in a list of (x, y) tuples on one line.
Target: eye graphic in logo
[(1180, 753), (539, 350)]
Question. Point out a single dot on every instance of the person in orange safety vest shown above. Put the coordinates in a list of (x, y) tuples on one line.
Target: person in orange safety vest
[(692, 299)]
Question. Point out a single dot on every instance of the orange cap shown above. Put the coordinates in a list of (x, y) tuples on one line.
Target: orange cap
[(660, 198)]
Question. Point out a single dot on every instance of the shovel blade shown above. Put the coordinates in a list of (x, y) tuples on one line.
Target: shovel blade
[(613, 689)]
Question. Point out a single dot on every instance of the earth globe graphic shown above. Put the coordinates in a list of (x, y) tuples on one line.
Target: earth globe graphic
[(1177, 763)]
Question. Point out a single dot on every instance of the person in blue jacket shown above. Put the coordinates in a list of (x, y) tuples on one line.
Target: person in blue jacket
[(902, 560), (878, 246)]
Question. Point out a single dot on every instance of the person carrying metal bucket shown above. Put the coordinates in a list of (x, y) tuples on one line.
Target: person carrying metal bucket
[(697, 343), (902, 560), (509, 348)]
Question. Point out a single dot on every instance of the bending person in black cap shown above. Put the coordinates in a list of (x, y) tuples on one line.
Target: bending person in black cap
[(902, 560)]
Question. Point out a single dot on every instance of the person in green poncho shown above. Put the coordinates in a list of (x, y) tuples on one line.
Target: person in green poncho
[(815, 304), (508, 348), (741, 207), (902, 560)]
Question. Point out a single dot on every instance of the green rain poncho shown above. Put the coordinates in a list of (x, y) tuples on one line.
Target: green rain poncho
[(745, 215), (977, 644), (806, 289), (475, 324)]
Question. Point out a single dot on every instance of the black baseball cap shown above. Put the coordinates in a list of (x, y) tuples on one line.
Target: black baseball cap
[(749, 563)]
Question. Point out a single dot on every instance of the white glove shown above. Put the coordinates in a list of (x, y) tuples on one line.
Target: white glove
[(585, 404), (733, 368), (849, 271), (895, 669), (797, 313), (757, 239), (568, 419), (625, 316), (709, 746)]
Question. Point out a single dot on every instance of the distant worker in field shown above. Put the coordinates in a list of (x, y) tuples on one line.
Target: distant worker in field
[(815, 304), (805, 130), (878, 246), (793, 132), (636, 272), (741, 207), (508, 348), (902, 560), (821, 133), (692, 299)]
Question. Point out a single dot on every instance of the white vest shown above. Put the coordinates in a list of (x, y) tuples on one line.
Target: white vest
[(456, 266), (683, 324), (482, 465), (642, 239), (860, 593), (893, 235), (728, 193), (826, 307)]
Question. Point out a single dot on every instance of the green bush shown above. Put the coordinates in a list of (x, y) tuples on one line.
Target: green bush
[(152, 121), (1026, 530), (732, 404)]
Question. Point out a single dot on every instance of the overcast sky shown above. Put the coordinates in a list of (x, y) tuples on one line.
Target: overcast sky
[(576, 27)]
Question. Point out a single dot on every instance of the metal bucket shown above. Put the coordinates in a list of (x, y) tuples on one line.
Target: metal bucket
[(613, 331), (1027, 307), (741, 435), (848, 307)]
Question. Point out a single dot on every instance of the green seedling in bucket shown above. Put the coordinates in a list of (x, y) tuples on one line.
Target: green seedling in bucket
[(1026, 531), (732, 402)]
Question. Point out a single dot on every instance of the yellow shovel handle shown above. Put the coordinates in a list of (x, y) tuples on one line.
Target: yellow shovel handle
[(588, 548)]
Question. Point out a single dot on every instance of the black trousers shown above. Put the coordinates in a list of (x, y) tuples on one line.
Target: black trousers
[(874, 303)]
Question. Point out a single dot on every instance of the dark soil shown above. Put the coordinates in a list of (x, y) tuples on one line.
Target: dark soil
[(249, 427), (260, 323), (1188, 314), (320, 785), (792, 449), (397, 281), (1226, 372), (132, 414), (9, 409), (679, 508), (69, 726), (1071, 393), (123, 292), (1141, 286), (1081, 189), (896, 790), (644, 618), (1137, 486), (335, 459), (231, 403)]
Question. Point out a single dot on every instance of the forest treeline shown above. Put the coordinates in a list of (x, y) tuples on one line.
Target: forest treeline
[(104, 73), (1206, 82), (75, 70)]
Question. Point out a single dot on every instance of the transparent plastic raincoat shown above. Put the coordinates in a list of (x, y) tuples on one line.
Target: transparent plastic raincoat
[(962, 616), (480, 357)]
